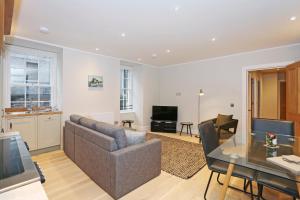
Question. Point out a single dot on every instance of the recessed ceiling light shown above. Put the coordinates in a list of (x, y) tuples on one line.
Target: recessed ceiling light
[(97, 49), (293, 18), (154, 55), (123, 34), (168, 51), (176, 8), (44, 29), (213, 39)]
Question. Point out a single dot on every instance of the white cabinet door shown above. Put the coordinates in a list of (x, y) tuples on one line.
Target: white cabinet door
[(26, 126), (49, 131)]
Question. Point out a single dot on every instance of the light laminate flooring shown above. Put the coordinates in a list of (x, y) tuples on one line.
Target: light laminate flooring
[(64, 181)]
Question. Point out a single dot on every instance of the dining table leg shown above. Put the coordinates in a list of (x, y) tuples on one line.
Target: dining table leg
[(226, 181)]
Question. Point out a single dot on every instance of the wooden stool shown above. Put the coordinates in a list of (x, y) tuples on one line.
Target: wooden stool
[(188, 127), (129, 122)]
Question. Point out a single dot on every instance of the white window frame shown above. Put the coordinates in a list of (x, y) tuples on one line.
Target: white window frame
[(32, 52), (131, 88)]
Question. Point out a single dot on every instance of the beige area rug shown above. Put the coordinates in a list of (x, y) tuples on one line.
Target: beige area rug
[(180, 158)]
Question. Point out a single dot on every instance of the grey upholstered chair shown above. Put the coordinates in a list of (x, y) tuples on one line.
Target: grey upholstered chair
[(280, 184), (225, 125), (260, 126), (210, 142)]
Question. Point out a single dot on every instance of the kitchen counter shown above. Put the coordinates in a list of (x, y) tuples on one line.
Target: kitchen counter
[(26, 114), (33, 191), (17, 168)]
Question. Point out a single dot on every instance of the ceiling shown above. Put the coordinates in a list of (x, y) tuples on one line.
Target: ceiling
[(185, 27)]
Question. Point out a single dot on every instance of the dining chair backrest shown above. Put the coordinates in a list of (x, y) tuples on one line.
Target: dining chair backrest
[(281, 127), (209, 139)]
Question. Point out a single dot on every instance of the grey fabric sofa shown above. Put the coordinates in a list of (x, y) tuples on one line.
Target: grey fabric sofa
[(101, 151)]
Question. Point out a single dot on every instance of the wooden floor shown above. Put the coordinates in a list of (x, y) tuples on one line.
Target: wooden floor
[(64, 180)]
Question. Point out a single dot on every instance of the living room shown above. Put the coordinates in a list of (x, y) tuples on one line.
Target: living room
[(115, 63)]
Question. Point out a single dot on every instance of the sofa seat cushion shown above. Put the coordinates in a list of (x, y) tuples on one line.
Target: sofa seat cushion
[(88, 123), (135, 137), (75, 118), (113, 131), (221, 119)]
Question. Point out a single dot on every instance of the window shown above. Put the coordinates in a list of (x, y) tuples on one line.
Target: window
[(31, 77), (126, 93)]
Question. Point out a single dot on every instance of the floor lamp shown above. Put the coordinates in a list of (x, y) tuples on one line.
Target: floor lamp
[(201, 93)]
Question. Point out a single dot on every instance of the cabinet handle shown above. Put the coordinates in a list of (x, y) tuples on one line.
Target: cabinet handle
[(10, 125)]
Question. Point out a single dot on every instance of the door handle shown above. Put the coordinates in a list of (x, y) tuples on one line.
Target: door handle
[(10, 125)]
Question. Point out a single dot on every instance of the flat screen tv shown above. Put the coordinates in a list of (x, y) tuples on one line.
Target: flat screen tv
[(164, 113)]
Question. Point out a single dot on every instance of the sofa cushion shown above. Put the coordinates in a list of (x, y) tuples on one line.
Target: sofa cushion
[(88, 123), (75, 118), (99, 139), (135, 137), (113, 131), (221, 119)]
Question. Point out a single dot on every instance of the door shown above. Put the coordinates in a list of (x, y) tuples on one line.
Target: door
[(49, 131), (26, 126), (293, 95), (282, 86)]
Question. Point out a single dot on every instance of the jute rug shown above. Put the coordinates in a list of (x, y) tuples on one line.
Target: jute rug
[(180, 158)]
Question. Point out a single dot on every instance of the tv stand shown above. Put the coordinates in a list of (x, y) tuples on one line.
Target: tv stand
[(163, 126)]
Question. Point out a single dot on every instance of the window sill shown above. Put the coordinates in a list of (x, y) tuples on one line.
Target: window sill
[(126, 111)]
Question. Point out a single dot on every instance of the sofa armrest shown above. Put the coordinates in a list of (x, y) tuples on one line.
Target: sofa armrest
[(227, 125), (134, 166)]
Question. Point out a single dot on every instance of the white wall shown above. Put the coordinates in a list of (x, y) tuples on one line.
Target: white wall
[(77, 97), (221, 80)]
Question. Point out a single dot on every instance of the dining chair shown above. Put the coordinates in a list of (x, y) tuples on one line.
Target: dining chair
[(260, 126), (210, 142), (280, 184)]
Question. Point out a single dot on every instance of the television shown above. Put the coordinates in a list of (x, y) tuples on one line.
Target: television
[(164, 113)]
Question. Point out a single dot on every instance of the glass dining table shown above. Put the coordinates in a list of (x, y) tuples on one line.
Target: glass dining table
[(254, 154)]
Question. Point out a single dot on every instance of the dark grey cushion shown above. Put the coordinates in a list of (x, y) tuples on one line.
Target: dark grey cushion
[(88, 123), (113, 131), (282, 184), (75, 118), (135, 137)]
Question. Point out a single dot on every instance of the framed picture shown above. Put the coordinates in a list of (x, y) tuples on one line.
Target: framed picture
[(95, 81)]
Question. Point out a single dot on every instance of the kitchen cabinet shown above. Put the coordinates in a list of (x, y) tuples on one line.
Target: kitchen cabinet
[(48, 131), (27, 127), (39, 130)]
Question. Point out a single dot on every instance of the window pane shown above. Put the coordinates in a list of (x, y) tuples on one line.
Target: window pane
[(45, 104), (17, 93), (45, 93), (32, 72), (17, 75), (32, 93), (17, 104), (30, 104), (44, 71)]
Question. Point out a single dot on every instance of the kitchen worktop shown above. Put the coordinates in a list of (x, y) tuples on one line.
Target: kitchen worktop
[(25, 114)]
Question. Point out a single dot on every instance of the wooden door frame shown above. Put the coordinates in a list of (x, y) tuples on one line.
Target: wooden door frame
[(245, 91)]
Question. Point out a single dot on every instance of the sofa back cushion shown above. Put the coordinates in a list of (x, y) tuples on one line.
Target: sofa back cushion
[(113, 131), (88, 123), (99, 139), (75, 118)]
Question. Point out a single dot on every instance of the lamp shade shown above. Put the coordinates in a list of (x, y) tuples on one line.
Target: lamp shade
[(201, 93)]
